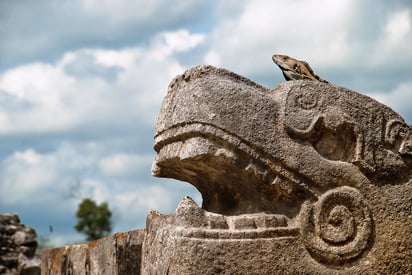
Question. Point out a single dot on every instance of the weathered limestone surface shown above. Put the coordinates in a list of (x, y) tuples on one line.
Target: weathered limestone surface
[(18, 244), (117, 254), (306, 178)]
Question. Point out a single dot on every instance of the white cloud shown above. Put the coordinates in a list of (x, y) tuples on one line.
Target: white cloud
[(30, 177), (212, 58), (40, 89), (24, 174), (398, 26), (125, 58), (172, 42), (123, 164), (47, 29), (144, 199), (94, 86)]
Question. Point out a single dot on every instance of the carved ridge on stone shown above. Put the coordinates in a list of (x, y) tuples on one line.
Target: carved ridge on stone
[(398, 136), (333, 123)]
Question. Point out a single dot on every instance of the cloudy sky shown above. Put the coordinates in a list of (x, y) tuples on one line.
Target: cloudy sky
[(81, 84)]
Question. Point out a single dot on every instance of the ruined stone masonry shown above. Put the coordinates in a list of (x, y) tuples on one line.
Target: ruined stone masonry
[(306, 178), (18, 245), (116, 254)]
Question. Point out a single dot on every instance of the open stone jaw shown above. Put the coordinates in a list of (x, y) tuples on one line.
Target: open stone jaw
[(305, 178), (230, 175)]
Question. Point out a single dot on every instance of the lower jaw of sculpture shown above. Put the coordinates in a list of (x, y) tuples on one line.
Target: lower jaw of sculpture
[(193, 222)]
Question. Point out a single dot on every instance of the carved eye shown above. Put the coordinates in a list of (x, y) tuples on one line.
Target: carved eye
[(295, 67)]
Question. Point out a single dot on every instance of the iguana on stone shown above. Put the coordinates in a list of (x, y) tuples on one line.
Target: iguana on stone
[(294, 69)]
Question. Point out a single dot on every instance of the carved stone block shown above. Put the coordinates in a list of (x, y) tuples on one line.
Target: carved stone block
[(304, 178)]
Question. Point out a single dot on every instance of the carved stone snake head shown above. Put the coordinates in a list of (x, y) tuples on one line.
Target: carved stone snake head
[(306, 151)]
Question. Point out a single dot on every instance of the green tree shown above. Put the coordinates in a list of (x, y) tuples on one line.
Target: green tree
[(93, 220)]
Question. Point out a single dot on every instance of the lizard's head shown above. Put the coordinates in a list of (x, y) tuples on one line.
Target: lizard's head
[(288, 65), (284, 62)]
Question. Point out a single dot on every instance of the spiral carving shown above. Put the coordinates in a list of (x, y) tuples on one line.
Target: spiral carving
[(338, 228), (307, 101)]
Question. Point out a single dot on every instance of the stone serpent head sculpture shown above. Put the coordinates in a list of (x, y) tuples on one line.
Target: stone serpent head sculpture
[(299, 161)]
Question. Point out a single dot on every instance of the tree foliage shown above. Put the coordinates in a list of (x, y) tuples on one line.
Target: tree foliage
[(93, 220)]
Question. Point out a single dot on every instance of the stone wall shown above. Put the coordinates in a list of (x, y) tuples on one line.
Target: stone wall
[(117, 254), (18, 245)]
